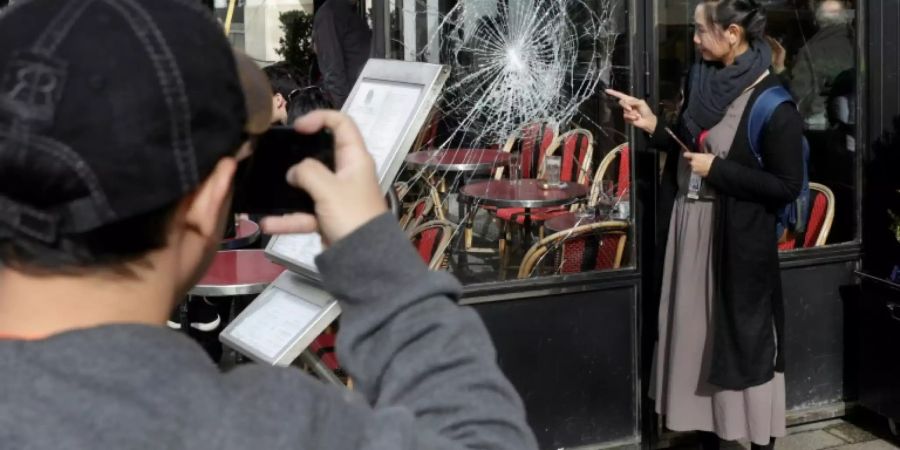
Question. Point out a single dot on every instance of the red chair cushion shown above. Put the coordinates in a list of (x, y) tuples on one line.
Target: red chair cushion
[(426, 243), (589, 252), (788, 244), (624, 172), (816, 218), (323, 347), (574, 151), (813, 226), (420, 210), (542, 215), (508, 213), (537, 214), (535, 141)]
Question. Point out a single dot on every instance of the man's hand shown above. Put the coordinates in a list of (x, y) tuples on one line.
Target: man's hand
[(345, 199), (700, 162), (636, 111)]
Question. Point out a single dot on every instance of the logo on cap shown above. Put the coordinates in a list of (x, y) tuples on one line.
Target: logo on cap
[(31, 87)]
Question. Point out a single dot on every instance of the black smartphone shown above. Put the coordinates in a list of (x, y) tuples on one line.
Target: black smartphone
[(261, 182)]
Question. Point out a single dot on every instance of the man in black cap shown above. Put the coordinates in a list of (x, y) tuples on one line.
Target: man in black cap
[(121, 123)]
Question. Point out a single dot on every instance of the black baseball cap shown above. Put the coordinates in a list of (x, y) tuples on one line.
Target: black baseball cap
[(132, 101)]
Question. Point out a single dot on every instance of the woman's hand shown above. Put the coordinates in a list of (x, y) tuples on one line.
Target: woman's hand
[(700, 162), (637, 112)]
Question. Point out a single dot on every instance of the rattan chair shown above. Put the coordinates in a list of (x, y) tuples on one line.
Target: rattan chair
[(531, 143), (432, 239), (620, 158), (596, 246), (821, 216)]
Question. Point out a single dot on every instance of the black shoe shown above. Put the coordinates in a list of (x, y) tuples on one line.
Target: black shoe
[(709, 441), (769, 446), (204, 316)]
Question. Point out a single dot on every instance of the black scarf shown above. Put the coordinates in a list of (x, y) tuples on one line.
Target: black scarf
[(714, 86)]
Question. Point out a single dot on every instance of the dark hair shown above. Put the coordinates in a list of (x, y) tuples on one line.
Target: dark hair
[(43, 184), (305, 100), (283, 77), (747, 14), (108, 246)]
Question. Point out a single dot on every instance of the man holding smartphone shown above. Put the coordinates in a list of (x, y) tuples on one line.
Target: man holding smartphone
[(116, 164)]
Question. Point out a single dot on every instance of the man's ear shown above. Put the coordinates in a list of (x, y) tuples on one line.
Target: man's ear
[(209, 199), (279, 100)]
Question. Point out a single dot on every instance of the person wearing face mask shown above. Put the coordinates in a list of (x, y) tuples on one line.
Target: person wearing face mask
[(719, 365)]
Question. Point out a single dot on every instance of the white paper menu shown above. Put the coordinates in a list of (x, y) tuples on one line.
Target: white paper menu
[(382, 111)]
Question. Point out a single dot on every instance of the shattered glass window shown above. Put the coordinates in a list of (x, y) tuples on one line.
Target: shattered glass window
[(523, 169)]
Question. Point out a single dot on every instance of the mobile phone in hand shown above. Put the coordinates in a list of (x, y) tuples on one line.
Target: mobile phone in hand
[(678, 141), (261, 185)]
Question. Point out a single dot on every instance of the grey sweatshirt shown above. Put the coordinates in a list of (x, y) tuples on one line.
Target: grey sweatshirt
[(424, 371)]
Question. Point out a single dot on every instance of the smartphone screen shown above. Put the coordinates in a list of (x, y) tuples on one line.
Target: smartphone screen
[(261, 182)]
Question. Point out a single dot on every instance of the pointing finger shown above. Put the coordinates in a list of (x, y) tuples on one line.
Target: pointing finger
[(618, 94)]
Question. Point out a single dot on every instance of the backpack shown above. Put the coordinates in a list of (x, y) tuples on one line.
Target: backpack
[(793, 216)]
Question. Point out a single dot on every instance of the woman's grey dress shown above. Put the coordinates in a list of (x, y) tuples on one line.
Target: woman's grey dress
[(681, 362)]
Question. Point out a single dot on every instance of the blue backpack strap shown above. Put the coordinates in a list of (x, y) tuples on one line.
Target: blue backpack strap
[(761, 112)]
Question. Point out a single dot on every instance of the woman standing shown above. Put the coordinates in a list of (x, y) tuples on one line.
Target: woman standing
[(718, 367)]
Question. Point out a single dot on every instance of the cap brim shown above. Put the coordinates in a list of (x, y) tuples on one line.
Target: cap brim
[(257, 94)]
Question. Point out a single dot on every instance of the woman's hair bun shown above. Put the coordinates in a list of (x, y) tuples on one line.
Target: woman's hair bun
[(747, 14)]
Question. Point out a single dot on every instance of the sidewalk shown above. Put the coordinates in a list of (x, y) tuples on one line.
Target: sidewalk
[(859, 432)]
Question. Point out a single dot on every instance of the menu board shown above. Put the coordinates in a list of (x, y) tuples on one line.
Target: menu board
[(389, 103), (382, 110), (282, 321)]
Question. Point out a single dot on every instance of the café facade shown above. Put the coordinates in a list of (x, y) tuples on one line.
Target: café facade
[(575, 325)]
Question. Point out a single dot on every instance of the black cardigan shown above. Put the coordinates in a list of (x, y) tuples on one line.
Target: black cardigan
[(747, 277)]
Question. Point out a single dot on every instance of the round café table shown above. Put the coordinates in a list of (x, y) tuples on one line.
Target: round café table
[(237, 272), (471, 161), (246, 233), (526, 194), (477, 161), (232, 273)]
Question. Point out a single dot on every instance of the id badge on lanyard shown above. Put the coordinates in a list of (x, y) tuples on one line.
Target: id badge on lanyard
[(696, 181)]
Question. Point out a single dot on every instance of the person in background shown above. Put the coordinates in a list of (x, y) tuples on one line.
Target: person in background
[(719, 365), (828, 53), (343, 43), (306, 100), (113, 207), (284, 83), (822, 79)]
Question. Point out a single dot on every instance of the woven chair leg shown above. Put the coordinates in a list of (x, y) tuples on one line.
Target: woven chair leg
[(505, 241)]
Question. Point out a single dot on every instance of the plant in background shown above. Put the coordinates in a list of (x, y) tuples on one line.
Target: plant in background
[(295, 47)]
